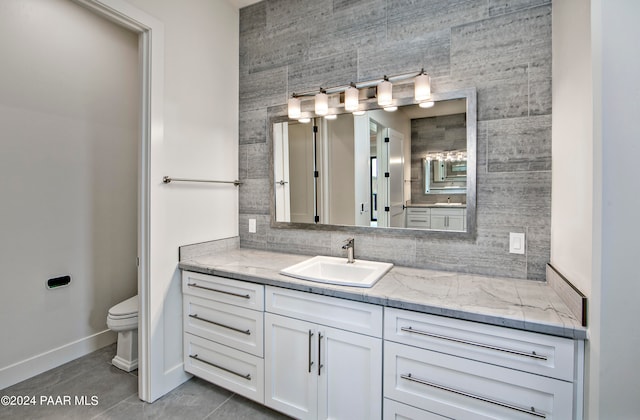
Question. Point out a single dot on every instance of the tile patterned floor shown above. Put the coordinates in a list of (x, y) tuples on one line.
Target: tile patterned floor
[(117, 395)]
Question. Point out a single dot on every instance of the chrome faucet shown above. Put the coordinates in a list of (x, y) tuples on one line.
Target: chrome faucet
[(349, 246)]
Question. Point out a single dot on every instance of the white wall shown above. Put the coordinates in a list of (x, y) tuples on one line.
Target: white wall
[(595, 147), (615, 337), (572, 143), (68, 180), (200, 141)]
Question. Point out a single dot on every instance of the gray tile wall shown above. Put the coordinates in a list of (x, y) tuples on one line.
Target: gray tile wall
[(503, 48)]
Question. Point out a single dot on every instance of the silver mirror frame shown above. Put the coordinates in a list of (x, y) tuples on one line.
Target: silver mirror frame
[(277, 114)]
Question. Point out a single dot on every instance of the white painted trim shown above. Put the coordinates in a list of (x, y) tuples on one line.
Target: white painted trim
[(579, 401), (176, 375), (50, 359), (151, 53)]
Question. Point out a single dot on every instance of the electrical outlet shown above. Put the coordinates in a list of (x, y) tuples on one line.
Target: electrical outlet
[(252, 225), (516, 243)]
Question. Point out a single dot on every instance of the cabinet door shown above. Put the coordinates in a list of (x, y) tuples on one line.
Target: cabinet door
[(350, 375), (438, 222), (291, 384), (455, 223)]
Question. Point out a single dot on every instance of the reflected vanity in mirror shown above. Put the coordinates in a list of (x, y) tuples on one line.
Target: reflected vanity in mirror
[(411, 169)]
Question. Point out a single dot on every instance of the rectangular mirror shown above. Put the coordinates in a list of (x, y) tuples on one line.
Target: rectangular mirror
[(409, 169)]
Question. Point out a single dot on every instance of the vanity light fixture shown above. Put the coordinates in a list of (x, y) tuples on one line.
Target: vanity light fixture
[(449, 156), (385, 92), (294, 107), (359, 113), (422, 87), (351, 98), (380, 90), (305, 120), (322, 103), (331, 116)]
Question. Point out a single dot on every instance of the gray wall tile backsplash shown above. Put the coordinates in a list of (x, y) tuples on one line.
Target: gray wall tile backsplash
[(503, 49)]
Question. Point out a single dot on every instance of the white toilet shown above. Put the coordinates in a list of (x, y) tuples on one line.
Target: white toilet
[(123, 319)]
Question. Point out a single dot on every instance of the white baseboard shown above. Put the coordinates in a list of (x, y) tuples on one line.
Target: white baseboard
[(35, 365)]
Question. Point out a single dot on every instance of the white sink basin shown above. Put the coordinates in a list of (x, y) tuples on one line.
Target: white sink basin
[(336, 270), (449, 204)]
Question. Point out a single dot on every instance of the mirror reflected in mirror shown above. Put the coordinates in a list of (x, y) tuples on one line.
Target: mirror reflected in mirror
[(405, 169)]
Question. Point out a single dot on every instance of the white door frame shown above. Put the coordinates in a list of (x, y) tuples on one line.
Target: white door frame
[(151, 55)]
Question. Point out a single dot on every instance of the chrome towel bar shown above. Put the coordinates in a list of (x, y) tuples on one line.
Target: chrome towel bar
[(167, 179)]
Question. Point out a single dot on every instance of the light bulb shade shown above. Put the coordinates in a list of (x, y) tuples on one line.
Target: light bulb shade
[(385, 93), (294, 108), (322, 104), (351, 99), (422, 85)]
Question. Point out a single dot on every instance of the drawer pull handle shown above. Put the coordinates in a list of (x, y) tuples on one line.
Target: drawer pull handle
[(247, 376), (532, 355), (310, 361), (195, 316), (532, 411), (320, 365), (219, 291)]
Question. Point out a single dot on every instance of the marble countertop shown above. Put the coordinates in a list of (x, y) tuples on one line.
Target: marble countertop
[(521, 304)]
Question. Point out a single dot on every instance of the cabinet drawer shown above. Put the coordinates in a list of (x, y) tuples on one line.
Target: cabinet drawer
[(530, 352), (230, 325), (393, 410), (220, 289), (418, 221), (237, 371), (348, 315), (418, 211), (461, 388)]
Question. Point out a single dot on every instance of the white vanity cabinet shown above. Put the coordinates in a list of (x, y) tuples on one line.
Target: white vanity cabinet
[(461, 369), (447, 219), (318, 357), (223, 323), (323, 356)]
